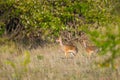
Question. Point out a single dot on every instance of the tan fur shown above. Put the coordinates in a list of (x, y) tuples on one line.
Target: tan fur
[(67, 48), (90, 49)]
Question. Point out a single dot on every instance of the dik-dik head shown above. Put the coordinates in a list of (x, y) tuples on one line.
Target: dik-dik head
[(59, 39)]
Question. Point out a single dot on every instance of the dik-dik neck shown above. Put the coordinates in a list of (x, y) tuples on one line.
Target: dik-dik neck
[(84, 43), (61, 43)]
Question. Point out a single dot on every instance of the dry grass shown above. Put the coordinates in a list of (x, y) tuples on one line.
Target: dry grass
[(48, 63)]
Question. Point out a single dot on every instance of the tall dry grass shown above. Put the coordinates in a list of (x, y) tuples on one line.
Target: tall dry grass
[(48, 63)]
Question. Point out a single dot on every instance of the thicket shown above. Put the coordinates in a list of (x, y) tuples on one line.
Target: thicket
[(43, 20)]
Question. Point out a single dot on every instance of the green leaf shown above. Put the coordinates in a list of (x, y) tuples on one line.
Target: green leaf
[(12, 64), (26, 58)]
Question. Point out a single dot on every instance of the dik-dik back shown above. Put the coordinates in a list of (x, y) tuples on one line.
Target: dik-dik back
[(90, 49), (67, 48)]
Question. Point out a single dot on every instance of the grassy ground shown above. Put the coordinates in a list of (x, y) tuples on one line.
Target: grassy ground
[(48, 63)]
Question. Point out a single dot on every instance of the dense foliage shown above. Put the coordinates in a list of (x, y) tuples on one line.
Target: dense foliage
[(46, 19)]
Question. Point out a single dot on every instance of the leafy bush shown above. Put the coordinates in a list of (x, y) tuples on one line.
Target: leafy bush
[(47, 18)]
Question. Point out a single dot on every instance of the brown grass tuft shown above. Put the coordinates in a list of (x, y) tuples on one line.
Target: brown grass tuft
[(48, 63)]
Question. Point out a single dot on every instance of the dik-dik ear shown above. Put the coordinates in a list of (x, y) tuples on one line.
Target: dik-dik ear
[(58, 39)]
